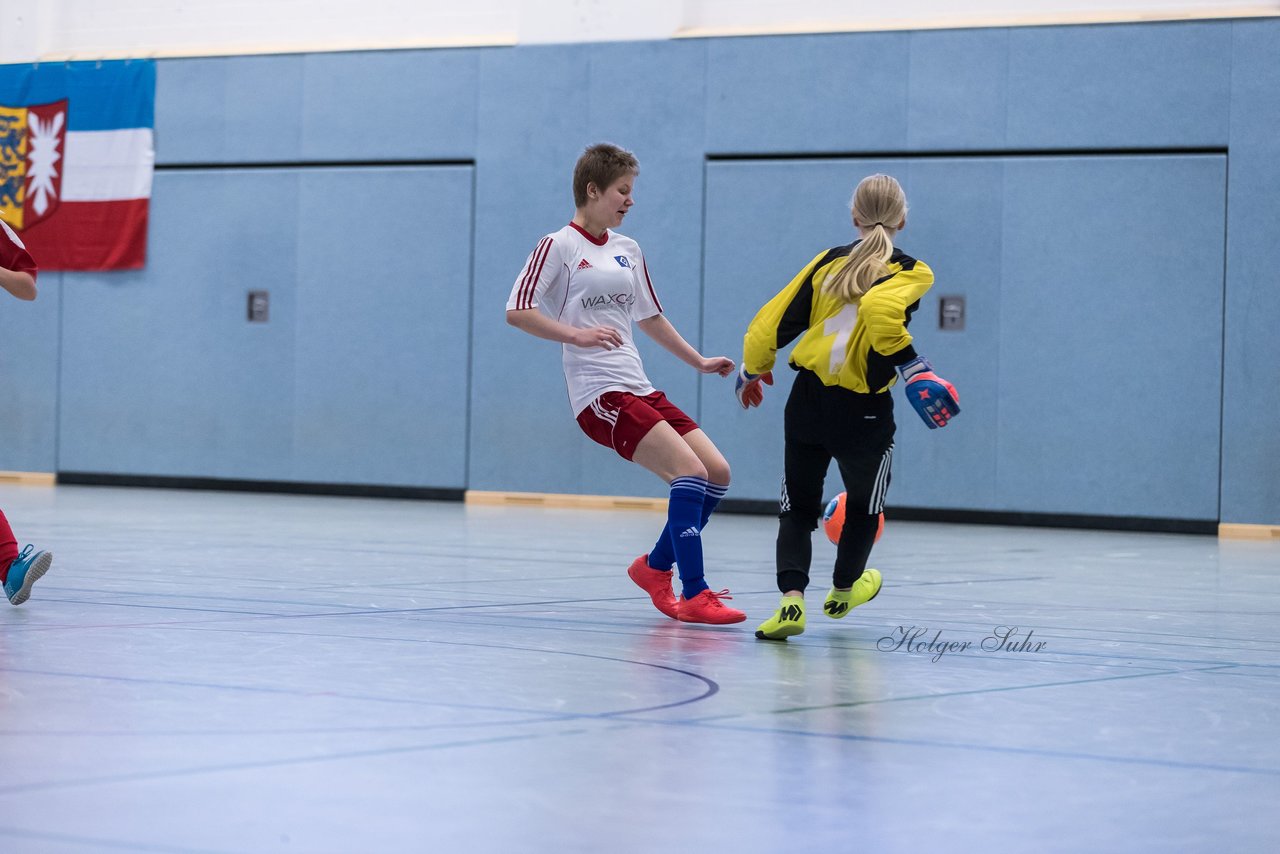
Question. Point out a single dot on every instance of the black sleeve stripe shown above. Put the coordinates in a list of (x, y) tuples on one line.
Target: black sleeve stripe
[(911, 309), (797, 319), (902, 259)]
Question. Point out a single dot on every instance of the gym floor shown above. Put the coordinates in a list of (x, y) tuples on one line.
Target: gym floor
[(234, 672)]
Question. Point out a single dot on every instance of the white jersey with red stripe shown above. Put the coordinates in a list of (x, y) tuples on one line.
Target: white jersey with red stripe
[(584, 281)]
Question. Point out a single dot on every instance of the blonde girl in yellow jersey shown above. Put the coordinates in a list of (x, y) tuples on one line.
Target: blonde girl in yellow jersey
[(849, 307)]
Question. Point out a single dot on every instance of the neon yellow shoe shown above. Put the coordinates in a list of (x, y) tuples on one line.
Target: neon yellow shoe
[(787, 621), (841, 602)]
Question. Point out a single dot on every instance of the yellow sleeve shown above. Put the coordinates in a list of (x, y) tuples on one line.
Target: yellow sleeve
[(884, 308), (782, 319)]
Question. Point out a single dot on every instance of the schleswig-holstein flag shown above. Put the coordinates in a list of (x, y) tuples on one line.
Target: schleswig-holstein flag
[(77, 154)]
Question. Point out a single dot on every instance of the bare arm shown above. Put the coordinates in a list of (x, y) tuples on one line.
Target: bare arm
[(534, 322), (21, 285), (660, 329)]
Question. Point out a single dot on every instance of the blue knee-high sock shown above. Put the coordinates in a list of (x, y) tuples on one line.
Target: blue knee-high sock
[(663, 554), (715, 492), (684, 527)]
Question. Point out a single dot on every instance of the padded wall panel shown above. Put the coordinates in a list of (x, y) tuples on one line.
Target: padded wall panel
[(397, 105), (220, 110), (953, 225), (1111, 335), (161, 373), (359, 375), (958, 90), (1251, 369), (382, 326), (1119, 86), (393, 105), (29, 341), (807, 93)]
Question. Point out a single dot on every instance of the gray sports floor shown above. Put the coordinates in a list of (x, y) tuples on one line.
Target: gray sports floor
[(223, 672)]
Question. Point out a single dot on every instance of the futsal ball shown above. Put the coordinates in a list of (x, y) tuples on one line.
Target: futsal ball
[(833, 520)]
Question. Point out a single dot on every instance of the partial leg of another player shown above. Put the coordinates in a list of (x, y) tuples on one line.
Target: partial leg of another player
[(665, 453), (19, 570)]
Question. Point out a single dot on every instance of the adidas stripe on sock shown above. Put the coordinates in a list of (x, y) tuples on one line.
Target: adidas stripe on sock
[(663, 556), (684, 530)]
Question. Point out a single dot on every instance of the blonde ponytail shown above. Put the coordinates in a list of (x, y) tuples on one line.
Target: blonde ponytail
[(878, 206)]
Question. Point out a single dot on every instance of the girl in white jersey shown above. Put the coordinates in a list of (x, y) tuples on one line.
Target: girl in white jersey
[(583, 286), (18, 570)]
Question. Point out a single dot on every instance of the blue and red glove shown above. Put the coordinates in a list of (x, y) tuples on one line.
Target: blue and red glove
[(933, 397), (747, 387)]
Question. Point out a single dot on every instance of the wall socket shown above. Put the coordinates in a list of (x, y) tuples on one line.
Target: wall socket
[(951, 313), (259, 306)]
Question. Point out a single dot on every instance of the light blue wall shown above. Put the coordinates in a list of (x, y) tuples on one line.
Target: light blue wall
[(29, 378), (956, 220), (1105, 326), (360, 375), (1251, 369), (538, 108), (807, 93), (1109, 87), (387, 359), (160, 373), (323, 107), (1044, 349)]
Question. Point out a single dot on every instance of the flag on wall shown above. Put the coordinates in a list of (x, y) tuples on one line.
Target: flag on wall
[(77, 154)]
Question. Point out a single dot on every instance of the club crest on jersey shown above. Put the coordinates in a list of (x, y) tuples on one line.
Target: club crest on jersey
[(584, 264), (33, 142), (623, 261)]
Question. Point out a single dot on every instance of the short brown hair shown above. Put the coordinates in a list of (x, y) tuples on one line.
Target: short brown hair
[(601, 164)]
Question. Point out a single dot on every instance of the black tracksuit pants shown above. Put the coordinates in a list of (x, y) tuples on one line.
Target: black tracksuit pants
[(823, 423)]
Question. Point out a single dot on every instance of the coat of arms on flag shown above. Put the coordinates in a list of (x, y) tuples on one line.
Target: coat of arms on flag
[(32, 143), (76, 161)]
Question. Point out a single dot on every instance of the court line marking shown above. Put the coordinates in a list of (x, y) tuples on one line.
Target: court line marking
[(991, 748), (710, 686), (972, 692), (141, 776)]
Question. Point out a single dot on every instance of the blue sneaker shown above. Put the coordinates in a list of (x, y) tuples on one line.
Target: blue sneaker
[(24, 572)]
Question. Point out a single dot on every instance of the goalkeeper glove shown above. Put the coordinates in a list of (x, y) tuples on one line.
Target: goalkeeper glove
[(747, 387), (933, 397)]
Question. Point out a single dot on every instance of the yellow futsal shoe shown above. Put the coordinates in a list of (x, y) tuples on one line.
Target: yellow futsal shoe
[(787, 621), (841, 602)]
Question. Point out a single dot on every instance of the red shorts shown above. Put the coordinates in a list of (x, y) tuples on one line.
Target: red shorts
[(620, 419)]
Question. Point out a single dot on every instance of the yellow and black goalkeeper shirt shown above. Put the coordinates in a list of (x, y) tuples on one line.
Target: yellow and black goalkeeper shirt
[(852, 345)]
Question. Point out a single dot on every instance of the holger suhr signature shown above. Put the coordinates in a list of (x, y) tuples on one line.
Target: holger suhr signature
[(917, 639)]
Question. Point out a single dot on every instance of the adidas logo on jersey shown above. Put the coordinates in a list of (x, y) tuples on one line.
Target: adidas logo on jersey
[(584, 264), (689, 532)]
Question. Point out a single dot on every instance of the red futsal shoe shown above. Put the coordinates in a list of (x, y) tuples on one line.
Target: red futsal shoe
[(706, 607), (655, 582)]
